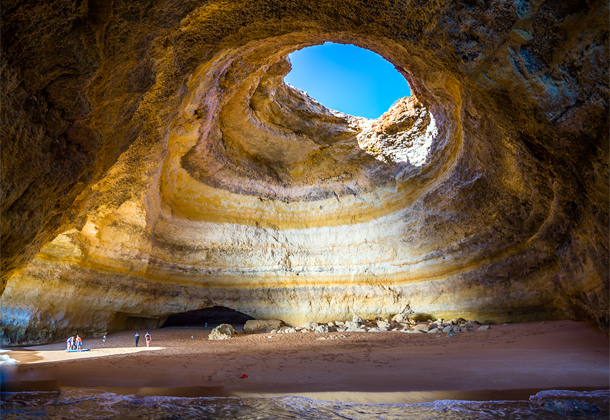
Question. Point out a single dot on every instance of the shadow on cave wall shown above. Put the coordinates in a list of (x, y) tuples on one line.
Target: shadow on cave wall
[(213, 316), (124, 321)]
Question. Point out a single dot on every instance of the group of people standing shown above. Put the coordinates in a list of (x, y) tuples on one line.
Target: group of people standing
[(74, 343), (147, 336)]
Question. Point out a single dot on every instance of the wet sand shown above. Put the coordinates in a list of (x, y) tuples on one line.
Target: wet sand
[(391, 367)]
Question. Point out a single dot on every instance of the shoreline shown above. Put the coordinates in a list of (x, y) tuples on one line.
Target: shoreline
[(353, 397), (388, 367)]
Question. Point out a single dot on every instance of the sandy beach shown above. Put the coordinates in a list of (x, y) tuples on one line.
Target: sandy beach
[(507, 361)]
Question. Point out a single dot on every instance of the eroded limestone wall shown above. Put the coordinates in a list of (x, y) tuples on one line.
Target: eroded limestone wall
[(154, 162)]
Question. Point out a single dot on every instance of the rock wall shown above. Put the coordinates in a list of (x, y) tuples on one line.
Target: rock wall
[(154, 162)]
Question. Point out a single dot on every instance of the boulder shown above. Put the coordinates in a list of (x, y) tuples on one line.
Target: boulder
[(483, 328), (423, 327), (451, 333), (320, 329), (354, 327), (357, 319), (222, 332), (287, 330), (383, 325), (434, 331), (310, 326), (400, 318), (255, 326), (350, 325)]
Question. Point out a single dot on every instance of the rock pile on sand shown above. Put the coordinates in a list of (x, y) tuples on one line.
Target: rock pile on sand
[(222, 332), (399, 322), (407, 323)]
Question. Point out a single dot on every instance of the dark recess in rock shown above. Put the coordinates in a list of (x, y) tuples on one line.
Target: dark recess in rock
[(212, 316)]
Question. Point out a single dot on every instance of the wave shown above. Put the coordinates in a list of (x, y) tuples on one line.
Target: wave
[(5, 359), (95, 404)]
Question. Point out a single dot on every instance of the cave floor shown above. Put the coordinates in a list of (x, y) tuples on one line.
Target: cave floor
[(507, 362)]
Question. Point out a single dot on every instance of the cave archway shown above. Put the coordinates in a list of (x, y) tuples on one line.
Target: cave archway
[(167, 167)]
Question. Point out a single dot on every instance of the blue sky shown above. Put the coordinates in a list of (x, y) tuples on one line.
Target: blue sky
[(347, 78)]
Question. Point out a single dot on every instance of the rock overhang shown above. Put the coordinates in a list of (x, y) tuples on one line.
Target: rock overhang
[(277, 149), (231, 188)]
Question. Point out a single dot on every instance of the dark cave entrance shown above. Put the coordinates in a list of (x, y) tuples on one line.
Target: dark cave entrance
[(213, 316)]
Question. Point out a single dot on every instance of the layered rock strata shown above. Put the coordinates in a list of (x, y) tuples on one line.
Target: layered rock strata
[(154, 162)]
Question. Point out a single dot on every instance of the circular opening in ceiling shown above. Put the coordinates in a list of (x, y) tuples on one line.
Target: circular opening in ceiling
[(348, 79)]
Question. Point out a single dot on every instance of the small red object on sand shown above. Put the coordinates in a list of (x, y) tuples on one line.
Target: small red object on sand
[(245, 375)]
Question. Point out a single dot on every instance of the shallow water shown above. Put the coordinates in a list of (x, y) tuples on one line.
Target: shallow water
[(95, 404)]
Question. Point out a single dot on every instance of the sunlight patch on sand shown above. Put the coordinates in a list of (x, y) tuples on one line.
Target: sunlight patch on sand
[(55, 355)]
